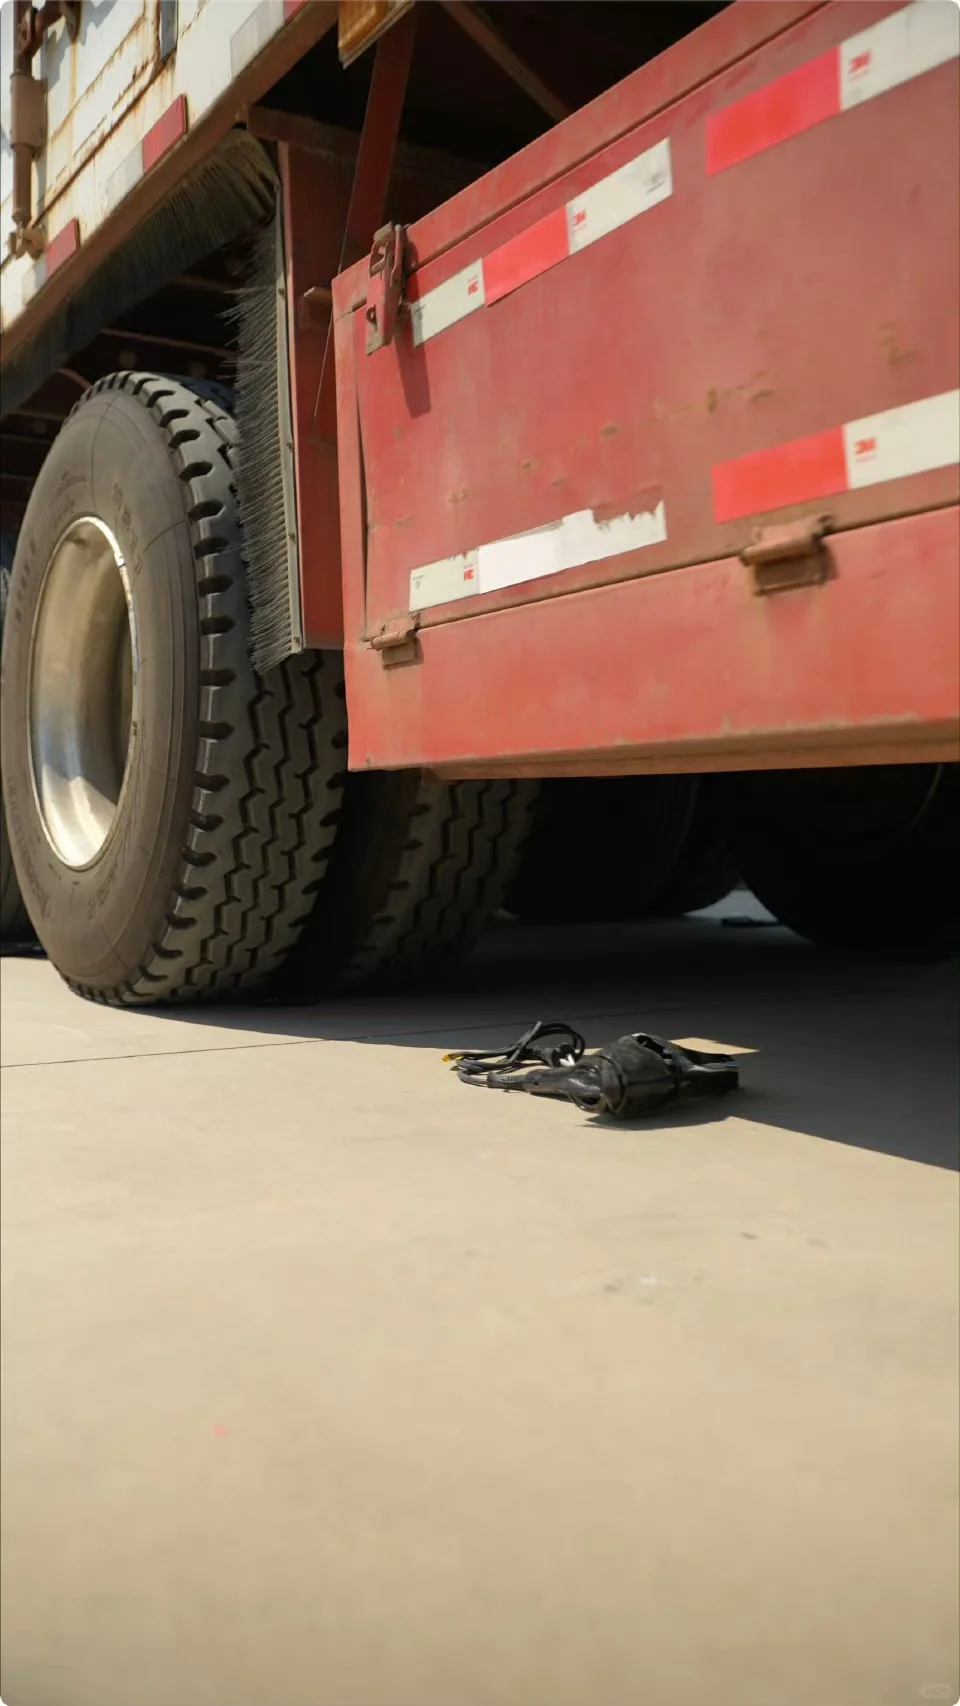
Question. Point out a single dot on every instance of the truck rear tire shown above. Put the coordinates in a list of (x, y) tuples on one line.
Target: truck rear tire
[(703, 871), (863, 858), (621, 848), (171, 812), (14, 923), (417, 868)]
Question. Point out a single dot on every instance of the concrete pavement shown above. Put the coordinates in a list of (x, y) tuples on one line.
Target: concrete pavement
[(329, 1381)]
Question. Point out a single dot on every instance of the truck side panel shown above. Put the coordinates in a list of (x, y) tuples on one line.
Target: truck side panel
[(741, 314)]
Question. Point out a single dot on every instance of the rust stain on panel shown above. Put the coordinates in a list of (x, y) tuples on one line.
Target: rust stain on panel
[(644, 502), (890, 341), (722, 394)]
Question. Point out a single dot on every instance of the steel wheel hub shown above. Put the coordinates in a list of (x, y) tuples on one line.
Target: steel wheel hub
[(83, 691)]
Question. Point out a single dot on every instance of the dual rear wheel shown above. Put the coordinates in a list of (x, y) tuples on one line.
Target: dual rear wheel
[(854, 858), (182, 827), (621, 848), (860, 858)]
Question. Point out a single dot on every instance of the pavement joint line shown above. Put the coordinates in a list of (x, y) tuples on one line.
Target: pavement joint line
[(293, 1042), (483, 1025)]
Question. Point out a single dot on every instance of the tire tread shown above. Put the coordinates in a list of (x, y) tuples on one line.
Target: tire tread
[(265, 751)]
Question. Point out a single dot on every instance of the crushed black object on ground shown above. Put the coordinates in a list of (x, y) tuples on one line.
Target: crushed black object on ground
[(638, 1074)]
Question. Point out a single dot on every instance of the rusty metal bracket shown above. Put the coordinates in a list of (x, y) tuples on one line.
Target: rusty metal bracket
[(396, 640), (385, 291), (314, 308), (28, 118), (374, 167), (28, 113), (789, 554), (35, 21), (70, 13)]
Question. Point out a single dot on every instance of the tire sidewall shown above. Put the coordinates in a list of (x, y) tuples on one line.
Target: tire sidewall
[(110, 461), (898, 894)]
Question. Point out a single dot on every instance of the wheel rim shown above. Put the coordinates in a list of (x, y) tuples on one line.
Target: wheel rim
[(83, 691)]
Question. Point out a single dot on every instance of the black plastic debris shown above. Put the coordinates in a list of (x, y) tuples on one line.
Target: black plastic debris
[(638, 1074)]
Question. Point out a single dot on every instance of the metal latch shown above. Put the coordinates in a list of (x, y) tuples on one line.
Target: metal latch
[(788, 555), (396, 640), (385, 291)]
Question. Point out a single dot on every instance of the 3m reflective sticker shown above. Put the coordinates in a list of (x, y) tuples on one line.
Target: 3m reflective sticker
[(640, 184), (450, 302), (891, 445), (902, 46), (903, 441)]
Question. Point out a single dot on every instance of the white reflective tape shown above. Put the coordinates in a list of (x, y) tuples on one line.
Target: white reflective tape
[(441, 583), (574, 540), (125, 178), (900, 442), (569, 543), (450, 302), (252, 37), (899, 48), (12, 281), (626, 193), (34, 279)]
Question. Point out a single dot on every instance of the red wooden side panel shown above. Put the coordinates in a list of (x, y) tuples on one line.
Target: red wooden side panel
[(688, 671), (743, 309)]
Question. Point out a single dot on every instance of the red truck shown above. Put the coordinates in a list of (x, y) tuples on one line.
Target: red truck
[(460, 456)]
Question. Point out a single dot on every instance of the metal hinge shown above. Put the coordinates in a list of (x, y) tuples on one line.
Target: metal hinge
[(385, 291), (396, 640), (788, 555)]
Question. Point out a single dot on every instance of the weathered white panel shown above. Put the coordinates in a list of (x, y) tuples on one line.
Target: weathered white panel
[(91, 83), (119, 97)]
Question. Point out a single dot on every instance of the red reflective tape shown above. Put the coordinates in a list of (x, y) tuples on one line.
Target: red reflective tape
[(62, 246), (532, 252), (794, 103), (167, 130), (788, 474), (292, 6)]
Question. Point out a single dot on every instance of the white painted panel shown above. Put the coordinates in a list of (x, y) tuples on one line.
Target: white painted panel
[(107, 28), (91, 83), (252, 36), (189, 10)]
